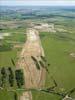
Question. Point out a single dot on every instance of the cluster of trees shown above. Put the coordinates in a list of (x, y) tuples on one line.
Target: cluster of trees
[(12, 76), (3, 76), (19, 78), (36, 62), (15, 96), (41, 63)]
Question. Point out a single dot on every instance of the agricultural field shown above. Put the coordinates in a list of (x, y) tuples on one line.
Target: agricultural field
[(10, 47), (62, 64)]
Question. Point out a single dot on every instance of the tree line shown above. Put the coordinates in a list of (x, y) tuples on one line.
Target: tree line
[(11, 76)]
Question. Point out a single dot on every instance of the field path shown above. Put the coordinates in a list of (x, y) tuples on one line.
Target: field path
[(34, 78)]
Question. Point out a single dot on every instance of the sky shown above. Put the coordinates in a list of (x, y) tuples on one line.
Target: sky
[(38, 2)]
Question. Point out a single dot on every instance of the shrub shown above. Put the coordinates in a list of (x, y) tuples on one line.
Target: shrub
[(43, 58), (44, 66), (36, 62), (15, 96), (11, 77), (3, 76), (19, 78)]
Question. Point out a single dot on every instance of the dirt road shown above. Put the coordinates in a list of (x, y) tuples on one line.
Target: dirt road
[(34, 78)]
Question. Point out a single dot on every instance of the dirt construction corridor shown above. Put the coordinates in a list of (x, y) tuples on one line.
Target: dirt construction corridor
[(34, 78)]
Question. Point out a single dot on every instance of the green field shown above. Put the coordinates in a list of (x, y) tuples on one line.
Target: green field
[(5, 58), (58, 46), (62, 65), (57, 49), (5, 61), (6, 95), (7, 52)]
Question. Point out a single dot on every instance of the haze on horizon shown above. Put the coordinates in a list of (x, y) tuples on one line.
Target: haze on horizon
[(37, 2)]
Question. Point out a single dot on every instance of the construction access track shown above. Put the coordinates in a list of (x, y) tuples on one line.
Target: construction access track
[(34, 78)]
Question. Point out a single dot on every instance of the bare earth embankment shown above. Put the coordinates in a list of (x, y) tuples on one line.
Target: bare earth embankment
[(34, 78)]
